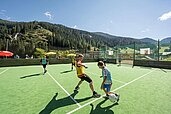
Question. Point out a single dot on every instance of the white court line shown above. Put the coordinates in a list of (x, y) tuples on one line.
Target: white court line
[(112, 78), (18, 67), (112, 91), (64, 90), (4, 71)]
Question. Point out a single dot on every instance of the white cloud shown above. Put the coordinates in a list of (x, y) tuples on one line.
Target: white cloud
[(75, 26), (49, 15), (4, 15), (146, 30), (165, 16), (111, 21), (2, 12), (8, 18)]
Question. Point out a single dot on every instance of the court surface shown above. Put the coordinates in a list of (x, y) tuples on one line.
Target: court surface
[(25, 90)]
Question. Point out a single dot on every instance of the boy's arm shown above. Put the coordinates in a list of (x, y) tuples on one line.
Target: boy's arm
[(47, 61), (105, 77), (40, 61), (81, 64)]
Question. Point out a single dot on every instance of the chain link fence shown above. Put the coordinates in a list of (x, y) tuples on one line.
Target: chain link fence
[(153, 52)]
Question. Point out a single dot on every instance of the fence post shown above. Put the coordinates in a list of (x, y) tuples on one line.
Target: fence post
[(134, 55), (158, 50)]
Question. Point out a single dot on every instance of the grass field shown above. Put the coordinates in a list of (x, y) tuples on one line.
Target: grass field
[(24, 90)]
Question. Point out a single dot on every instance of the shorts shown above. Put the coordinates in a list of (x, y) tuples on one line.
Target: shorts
[(86, 78), (107, 86), (44, 65), (73, 64)]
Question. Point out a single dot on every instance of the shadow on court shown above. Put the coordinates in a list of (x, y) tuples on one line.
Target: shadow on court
[(163, 70), (67, 71), (31, 75), (57, 103), (102, 110)]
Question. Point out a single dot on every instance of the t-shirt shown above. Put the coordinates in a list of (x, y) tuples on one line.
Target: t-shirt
[(44, 61), (80, 69), (106, 72)]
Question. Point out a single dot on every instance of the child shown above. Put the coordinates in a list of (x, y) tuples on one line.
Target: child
[(44, 62), (107, 78), (81, 74), (72, 62), (119, 60)]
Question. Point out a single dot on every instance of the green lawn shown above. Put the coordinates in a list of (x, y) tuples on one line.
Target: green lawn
[(25, 90), (163, 48)]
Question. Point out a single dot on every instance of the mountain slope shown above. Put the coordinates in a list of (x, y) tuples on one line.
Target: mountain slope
[(120, 40), (148, 40), (45, 35), (166, 40)]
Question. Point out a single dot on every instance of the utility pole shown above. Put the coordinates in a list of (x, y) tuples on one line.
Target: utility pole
[(134, 55), (158, 49)]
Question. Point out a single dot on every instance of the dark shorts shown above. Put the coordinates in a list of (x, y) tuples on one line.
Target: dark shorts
[(86, 78), (44, 65), (119, 60), (73, 64)]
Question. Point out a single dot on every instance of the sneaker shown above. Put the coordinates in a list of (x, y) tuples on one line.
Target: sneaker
[(96, 95), (118, 97), (44, 72), (77, 88)]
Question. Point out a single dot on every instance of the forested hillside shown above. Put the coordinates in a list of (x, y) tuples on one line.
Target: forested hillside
[(24, 37)]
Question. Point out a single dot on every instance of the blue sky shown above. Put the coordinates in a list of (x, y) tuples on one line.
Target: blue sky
[(131, 18)]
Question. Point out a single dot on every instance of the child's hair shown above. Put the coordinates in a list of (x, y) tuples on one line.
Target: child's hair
[(77, 56), (80, 55), (100, 63)]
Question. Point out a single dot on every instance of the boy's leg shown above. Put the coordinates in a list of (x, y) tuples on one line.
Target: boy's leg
[(110, 85), (95, 94), (89, 80), (45, 70), (105, 91), (91, 86), (108, 88), (79, 83), (44, 66), (71, 66)]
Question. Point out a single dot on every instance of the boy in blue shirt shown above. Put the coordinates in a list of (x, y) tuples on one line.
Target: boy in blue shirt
[(107, 79)]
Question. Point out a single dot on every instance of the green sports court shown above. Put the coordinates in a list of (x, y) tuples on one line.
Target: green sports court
[(24, 89)]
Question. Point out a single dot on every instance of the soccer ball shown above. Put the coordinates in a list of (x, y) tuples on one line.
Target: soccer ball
[(113, 97)]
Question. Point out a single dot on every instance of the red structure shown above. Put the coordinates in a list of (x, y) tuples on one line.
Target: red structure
[(6, 53)]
